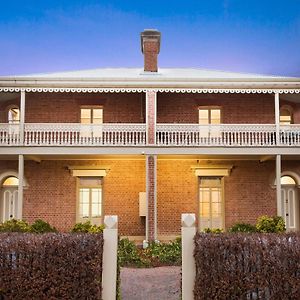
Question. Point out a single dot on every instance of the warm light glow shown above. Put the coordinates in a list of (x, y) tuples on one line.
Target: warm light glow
[(287, 180), (11, 181), (285, 117), (14, 116)]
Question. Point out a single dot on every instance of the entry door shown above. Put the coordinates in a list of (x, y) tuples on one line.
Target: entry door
[(9, 204), (290, 207), (211, 203)]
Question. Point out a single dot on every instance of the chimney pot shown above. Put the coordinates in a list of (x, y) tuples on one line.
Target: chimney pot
[(150, 46)]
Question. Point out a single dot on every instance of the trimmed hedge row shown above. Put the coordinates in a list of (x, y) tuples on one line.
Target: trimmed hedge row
[(50, 266), (247, 266)]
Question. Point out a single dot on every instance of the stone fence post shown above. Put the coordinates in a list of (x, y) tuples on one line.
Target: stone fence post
[(188, 231), (110, 252)]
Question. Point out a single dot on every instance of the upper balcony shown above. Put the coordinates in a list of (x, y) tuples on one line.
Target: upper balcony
[(121, 120)]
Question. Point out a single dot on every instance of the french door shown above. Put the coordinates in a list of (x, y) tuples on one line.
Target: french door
[(211, 203), (9, 204), (290, 207)]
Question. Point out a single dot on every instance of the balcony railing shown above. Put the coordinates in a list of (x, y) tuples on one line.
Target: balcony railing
[(175, 135), (75, 134), (244, 135)]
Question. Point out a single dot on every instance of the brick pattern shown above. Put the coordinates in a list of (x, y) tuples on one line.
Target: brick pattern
[(51, 192), (151, 195), (150, 55), (65, 107), (151, 119), (235, 108), (248, 191)]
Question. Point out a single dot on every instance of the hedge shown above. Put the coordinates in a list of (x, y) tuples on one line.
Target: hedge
[(50, 266), (247, 266)]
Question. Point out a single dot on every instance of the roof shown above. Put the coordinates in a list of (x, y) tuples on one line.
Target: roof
[(167, 78), (134, 73)]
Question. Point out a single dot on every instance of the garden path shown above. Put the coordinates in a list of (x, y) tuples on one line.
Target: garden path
[(161, 283)]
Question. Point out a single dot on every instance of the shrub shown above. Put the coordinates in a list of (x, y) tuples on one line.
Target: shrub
[(242, 227), (129, 254), (50, 266), (267, 224), (164, 253), (14, 226), (40, 226), (87, 227), (247, 266), (212, 230)]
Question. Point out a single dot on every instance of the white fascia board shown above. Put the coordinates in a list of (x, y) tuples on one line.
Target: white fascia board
[(10, 150)]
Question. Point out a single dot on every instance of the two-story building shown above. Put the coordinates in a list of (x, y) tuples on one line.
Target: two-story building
[(148, 144)]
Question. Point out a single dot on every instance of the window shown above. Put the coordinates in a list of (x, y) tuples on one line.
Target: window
[(285, 116), (210, 203), (14, 115), (90, 200), (287, 180), (210, 116), (91, 115), (88, 116), (11, 181)]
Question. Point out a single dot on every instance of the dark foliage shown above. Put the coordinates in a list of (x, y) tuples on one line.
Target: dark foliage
[(247, 266), (50, 266)]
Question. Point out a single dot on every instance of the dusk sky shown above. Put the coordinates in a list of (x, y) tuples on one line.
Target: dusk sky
[(255, 36)]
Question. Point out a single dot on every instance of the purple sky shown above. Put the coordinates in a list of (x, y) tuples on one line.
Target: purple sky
[(234, 35)]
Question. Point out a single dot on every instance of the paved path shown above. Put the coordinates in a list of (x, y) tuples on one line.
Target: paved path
[(161, 283)]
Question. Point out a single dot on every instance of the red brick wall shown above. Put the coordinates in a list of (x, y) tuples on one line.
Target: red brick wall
[(51, 194), (248, 191), (235, 109), (65, 107)]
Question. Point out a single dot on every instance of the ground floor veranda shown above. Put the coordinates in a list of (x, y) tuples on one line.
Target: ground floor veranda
[(220, 190)]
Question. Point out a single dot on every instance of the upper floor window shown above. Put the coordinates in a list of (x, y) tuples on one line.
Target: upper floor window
[(286, 117), (14, 115), (91, 115), (209, 115)]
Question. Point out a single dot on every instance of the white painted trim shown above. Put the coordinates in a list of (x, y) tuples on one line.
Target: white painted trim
[(261, 89), (292, 174), (20, 186), (11, 173), (22, 117), (212, 172), (88, 173), (277, 117), (87, 150), (278, 185)]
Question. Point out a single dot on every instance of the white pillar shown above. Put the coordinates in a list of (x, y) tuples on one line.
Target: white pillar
[(277, 118), (188, 231), (110, 253), (22, 117), (20, 187), (278, 185)]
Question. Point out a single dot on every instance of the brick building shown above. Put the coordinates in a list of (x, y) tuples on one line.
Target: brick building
[(149, 144)]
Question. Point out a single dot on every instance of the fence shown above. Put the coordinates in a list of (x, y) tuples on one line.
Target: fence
[(239, 266), (59, 266)]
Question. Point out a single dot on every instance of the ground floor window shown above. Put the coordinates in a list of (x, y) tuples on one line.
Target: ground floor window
[(211, 203), (90, 200)]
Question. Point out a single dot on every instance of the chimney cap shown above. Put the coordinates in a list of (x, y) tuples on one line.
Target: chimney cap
[(152, 34)]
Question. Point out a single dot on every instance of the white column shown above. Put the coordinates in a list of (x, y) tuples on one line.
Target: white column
[(22, 117), (277, 118), (110, 253), (20, 187), (188, 231), (278, 184)]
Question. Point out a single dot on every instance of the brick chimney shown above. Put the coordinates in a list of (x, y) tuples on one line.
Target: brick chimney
[(150, 45)]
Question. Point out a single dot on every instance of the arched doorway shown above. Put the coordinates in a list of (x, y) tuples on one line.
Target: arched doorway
[(9, 199), (290, 203)]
